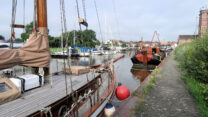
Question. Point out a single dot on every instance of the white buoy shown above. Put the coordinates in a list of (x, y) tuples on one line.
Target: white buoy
[(109, 110)]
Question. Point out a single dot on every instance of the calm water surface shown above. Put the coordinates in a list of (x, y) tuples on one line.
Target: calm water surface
[(126, 73)]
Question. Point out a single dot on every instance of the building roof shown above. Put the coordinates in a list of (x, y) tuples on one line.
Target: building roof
[(204, 11), (131, 42), (164, 42), (187, 37)]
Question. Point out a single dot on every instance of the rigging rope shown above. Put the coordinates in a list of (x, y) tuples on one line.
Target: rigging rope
[(78, 14), (80, 27), (14, 6), (62, 30), (34, 15), (23, 69), (98, 22), (24, 15), (84, 11), (116, 17)]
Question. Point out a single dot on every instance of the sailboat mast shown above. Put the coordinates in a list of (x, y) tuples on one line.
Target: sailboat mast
[(42, 21), (42, 16)]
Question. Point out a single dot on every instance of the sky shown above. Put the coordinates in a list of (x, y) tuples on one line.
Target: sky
[(126, 20)]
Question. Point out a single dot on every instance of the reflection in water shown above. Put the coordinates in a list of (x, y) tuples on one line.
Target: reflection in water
[(56, 65), (140, 74), (141, 71), (129, 75)]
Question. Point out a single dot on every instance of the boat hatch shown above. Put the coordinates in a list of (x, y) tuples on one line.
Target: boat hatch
[(8, 91), (3, 87)]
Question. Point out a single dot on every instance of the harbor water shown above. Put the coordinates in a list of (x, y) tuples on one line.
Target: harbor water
[(126, 73)]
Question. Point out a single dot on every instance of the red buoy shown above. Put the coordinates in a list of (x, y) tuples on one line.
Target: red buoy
[(122, 92)]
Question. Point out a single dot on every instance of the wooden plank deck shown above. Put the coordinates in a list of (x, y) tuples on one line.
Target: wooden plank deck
[(39, 98)]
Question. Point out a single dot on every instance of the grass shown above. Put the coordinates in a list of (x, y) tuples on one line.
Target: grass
[(193, 62), (56, 49), (153, 80), (198, 90)]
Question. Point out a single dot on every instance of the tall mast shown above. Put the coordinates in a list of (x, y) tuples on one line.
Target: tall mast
[(42, 21), (42, 16)]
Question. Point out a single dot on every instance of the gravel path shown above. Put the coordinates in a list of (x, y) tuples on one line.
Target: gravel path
[(169, 97)]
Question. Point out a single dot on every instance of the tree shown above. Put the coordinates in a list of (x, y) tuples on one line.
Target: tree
[(2, 37), (124, 45), (18, 40), (86, 38), (115, 44), (53, 42), (28, 31)]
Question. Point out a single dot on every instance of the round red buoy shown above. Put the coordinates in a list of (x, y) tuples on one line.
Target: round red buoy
[(122, 92)]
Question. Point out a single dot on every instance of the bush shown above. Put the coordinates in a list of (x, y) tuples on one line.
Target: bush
[(193, 61), (193, 58)]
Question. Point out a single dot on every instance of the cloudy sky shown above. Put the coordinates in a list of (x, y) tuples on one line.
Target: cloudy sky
[(130, 19)]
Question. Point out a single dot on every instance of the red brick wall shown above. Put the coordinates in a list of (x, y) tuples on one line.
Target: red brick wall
[(203, 22)]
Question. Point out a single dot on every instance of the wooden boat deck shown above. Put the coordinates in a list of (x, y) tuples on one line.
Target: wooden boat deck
[(39, 98)]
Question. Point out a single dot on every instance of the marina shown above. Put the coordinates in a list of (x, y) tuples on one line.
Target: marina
[(99, 59)]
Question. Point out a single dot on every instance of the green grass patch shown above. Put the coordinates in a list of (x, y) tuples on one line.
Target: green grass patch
[(200, 93), (56, 49), (192, 59), (153, 80)]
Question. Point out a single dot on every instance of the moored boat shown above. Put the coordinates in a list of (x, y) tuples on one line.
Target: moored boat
[(64, 94), (95, 51), (148, 54)]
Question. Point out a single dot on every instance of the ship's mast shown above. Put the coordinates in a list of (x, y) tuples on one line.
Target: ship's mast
[(42, 16), (42, 21)]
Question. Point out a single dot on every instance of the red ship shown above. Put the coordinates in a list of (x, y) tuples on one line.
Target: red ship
[(148, 55)]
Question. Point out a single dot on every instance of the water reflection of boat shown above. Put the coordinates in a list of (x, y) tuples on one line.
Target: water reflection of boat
[(84, 61), (140, 72)]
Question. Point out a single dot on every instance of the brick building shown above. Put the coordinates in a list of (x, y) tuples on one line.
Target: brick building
[(203, 22), (186, 38)]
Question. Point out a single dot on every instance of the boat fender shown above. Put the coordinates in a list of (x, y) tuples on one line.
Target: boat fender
[(122, 92), (109, 110)]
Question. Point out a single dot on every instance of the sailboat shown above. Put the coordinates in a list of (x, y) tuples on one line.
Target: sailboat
[(64, 95)]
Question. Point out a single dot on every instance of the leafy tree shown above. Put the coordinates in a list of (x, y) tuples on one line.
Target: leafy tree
[(28, 31), (97, 42), (2, 37), (124, 45), (86, 38), (108, 44), (18, 40), (115, 44)]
